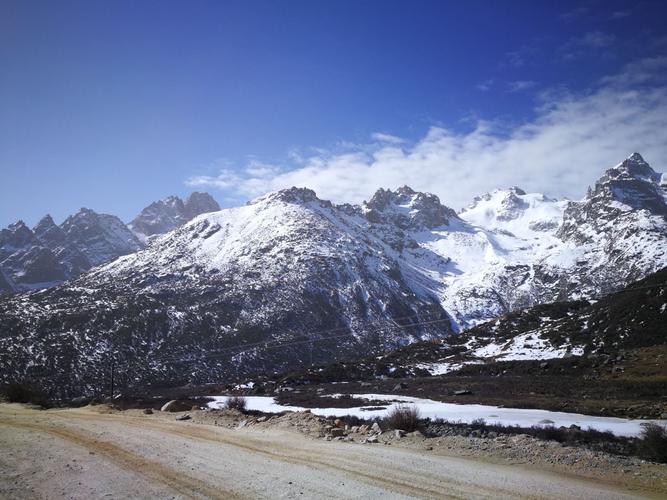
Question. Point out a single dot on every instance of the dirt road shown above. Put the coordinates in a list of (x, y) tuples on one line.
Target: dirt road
[(84, 454)]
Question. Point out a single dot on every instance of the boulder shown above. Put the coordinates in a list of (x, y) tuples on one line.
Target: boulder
[(175, 405), (148, 411), (337, 432), (399, 433), (376, 427)]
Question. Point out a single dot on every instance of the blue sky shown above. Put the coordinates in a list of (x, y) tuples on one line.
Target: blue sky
[(111, 105)]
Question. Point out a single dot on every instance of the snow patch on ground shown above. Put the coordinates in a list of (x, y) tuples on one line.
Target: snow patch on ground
[(454, 413)]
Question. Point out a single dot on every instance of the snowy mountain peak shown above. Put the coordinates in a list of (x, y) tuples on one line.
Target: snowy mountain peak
[(633, 167), (297, 195), (408, 209), (630, 185), (515, 211)]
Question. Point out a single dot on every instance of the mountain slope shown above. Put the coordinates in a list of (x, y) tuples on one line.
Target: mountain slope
[(631, 319)]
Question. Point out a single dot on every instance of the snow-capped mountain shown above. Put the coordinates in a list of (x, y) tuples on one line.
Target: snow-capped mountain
[(166, 215), (49, 254), (290, 278)]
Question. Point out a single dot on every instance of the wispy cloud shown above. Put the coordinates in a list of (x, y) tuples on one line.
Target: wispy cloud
[(568, 144), (620, 14), (589, 43), (521, 56), (485, 86), (573, 14), (520, 85)]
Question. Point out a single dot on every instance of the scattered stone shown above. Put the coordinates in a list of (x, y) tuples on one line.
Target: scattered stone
[(400, 385), (195, 408), (242, 424), (376, 428), (148, 411), (337, 432), (339, 423), (372, 439), (184, 417), (462, 392), (399, 433), (262, 419)]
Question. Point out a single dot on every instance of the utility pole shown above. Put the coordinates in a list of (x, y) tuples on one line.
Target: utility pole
[(311, 352), (112, 375)]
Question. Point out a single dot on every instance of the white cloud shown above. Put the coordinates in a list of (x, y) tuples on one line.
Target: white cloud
[(520, 85), (388, 138), (570, 142)]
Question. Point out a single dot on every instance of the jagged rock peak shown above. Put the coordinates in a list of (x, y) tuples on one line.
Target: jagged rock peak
[(171, 212), (47, 230), (408, 208), (200, 203), (17, 234), (633, 166), (632, 182), (629, 189)]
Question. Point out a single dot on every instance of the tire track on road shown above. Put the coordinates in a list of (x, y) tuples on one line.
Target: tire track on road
[(184, 484)]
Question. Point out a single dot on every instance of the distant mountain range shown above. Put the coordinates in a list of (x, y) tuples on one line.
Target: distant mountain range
[(49, 254), (290, 278)]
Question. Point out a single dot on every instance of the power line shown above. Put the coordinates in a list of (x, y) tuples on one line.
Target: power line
[(331, 330), (268, 346)]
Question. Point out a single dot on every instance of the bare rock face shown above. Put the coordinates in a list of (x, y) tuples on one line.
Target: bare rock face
[(99, 237), (166, 215)]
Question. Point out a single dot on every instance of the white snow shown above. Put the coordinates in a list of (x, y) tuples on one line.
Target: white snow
[(464, 413)]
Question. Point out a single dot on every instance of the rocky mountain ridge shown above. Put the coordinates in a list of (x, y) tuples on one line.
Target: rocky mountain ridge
[(49, 254)]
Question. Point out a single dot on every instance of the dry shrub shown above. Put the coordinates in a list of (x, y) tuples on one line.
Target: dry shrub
[(404, 417), (236, 403), (653, 443)]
